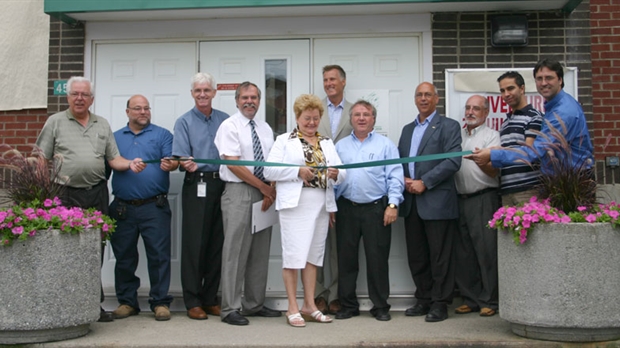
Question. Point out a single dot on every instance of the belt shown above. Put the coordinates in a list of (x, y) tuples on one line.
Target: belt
[(88, 188), (363, 204), (139, 202), (478, 193), (208, 175)]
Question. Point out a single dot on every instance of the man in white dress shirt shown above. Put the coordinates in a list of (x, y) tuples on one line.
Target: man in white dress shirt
[(245, 255)]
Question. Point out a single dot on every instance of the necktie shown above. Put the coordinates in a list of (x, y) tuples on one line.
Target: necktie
[(258, 152)]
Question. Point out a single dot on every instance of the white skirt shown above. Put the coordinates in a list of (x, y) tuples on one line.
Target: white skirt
[(304, 230)]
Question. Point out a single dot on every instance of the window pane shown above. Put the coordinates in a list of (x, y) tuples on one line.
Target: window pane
[(275, 94)]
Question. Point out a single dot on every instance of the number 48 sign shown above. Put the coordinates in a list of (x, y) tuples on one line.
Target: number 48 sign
[(60, 87)]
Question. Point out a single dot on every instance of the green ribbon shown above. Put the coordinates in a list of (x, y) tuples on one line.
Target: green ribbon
[(423, 158)]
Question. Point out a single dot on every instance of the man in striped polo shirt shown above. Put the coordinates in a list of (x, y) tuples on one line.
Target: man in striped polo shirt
[(518, 180)]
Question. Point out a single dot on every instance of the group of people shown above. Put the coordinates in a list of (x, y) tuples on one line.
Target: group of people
[(324, 212)]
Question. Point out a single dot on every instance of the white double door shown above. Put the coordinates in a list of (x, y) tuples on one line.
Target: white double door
[(385, 70)]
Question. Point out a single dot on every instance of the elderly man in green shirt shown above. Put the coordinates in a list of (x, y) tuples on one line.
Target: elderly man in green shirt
[(85, 141)]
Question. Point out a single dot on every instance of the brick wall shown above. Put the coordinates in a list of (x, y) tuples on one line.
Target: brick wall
[(20, 128), (66, 59), (605, 23)]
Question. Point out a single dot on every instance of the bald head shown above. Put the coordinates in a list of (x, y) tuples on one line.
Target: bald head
[(139, 112), (476, 111)]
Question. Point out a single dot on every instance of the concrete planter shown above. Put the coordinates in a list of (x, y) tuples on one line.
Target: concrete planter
[(50, 287), (563, 283)]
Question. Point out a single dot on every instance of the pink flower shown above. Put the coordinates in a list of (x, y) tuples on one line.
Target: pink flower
[(591, 218), (48, 203), (582, 208), (18, 230)]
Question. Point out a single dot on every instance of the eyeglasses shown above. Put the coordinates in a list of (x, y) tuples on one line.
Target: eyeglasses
[(79, 94), (425, 95), (138, 108), (475, 108)]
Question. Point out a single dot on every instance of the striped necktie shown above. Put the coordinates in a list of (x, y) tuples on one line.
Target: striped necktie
[(258, 152)]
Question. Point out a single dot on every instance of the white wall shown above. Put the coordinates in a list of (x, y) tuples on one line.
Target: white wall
[(24, 40)]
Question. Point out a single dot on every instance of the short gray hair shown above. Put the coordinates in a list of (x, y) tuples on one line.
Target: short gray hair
[(203, 77), (75, 79)]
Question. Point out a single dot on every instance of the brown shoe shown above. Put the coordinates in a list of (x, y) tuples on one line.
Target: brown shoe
[(123, 311), (464, 309), (162, 313), (334, 307), (321, 304), (487, 312), (197, 313), (213, 310)]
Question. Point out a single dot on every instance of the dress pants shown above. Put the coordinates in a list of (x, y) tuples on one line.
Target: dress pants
[(153, 224), (363, 221), (202, 239), (430, 256), (245, 256), (97, 197), (476, 251)]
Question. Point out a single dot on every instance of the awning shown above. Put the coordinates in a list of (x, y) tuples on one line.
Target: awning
[(71, 11)]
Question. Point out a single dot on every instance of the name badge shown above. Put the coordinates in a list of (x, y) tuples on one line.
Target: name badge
[(202, 189)]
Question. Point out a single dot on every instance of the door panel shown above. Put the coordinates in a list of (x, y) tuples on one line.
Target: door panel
[(161, 72), (281, 69)]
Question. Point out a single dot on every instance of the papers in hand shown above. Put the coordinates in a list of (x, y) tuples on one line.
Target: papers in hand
[(263, 219)]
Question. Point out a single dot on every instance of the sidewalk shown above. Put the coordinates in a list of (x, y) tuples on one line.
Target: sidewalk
[(468, 330)]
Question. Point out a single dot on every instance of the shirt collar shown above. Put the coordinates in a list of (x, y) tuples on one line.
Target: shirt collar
[(475, 130), (426, 121), (341, 105)]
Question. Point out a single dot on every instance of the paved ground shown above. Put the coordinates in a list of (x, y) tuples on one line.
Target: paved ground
[(467, 330)]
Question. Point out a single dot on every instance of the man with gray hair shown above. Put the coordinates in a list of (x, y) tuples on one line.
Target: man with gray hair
[(86, 142), (202, 235)]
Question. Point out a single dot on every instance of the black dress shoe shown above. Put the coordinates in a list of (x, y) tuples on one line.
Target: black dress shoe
[(235, 318), (418, 310), (105, 317), (347, 313), (381, 314), (436, 315), (265, 312)]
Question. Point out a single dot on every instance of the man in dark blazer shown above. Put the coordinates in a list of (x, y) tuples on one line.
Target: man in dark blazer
[(431, 206)]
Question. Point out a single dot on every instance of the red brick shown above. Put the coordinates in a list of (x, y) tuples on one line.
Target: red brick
[(15, 125), (610, 55), (599, 15), (601, 78), (601, 63), (610, 39), (598, 31), (609, 8), (7, 118), (14, 141), (27, 133), (600, 93)]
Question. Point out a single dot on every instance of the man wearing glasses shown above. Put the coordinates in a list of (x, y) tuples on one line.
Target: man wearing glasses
[(141, 208), (85, 142)]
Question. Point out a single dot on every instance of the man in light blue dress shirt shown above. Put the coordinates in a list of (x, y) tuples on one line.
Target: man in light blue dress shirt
[(368, 202)]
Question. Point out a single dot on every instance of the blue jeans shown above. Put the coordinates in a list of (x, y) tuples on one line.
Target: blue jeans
[(153, 224)]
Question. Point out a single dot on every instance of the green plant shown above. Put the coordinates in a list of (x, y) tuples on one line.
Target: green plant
[(29, 178), (567, 189), (32, 187), (27, 219)]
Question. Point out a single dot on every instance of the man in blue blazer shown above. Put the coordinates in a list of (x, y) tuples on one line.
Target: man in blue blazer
[(431, 207)]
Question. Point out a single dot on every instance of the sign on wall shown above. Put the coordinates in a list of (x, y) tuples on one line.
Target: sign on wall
[(463, 83)]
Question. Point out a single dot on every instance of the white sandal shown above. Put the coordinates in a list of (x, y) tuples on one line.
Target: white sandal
[(295, 320), (317, 317)]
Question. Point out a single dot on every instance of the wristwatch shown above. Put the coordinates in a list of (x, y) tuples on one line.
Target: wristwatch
[(393, 206)]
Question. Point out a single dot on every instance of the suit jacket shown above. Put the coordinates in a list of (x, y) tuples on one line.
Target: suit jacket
[(289, 185), (344, 127), (439, 201)]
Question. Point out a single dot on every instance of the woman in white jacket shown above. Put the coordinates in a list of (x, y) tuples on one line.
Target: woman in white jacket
[(305, 198)]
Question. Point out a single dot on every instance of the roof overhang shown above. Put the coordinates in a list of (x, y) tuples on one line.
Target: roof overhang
[(72, 11)]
